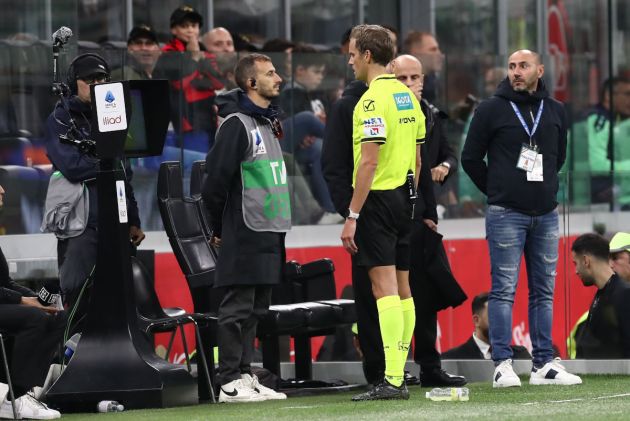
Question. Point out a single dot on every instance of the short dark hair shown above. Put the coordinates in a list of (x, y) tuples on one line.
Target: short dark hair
[(611, 83), (277, 45), (479, 302), (306, 56), (591, 244), (345, 38), (246, 68), (414, 37), (376, 40)]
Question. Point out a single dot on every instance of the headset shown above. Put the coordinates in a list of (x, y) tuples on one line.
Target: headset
[(252, 84), (71, 77)]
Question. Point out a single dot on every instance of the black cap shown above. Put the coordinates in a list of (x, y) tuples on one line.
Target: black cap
[(89, 65), (185, 13), (142, 31)]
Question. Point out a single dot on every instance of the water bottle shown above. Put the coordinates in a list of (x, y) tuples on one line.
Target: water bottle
[(109, 406), (71, 345), (448, 394)]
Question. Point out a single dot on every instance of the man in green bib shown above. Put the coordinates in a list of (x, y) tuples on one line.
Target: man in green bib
[(388, 128), (247, 197)]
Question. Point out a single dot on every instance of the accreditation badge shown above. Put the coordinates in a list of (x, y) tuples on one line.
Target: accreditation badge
[(526, 158), (536, 174)]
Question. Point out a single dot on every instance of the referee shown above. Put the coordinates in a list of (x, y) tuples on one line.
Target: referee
[(388, 128)]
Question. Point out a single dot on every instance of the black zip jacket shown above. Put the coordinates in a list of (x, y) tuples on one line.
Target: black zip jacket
[(496, 131), (338, 159)]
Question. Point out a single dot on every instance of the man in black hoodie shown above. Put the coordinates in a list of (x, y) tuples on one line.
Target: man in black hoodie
[(523, 132), (247, 196)]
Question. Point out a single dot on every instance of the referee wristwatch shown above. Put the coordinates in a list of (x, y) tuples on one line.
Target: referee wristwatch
[(446, 164), (352, 215)]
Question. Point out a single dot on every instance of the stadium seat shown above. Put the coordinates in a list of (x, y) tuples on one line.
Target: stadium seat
[(154, 319)]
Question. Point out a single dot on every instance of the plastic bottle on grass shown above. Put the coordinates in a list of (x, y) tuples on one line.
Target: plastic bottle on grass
[(449, 394), (109, 406)]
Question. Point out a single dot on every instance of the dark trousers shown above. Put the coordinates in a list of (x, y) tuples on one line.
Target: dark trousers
[(239, 312), (425, 332), (36, 338), (76, 258)]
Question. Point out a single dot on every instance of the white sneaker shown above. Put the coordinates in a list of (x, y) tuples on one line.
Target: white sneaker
[(504, 375), (28, 407), (268, 393), (553, 373), (238, 391)]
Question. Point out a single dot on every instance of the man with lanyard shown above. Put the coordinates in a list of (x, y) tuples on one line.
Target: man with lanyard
[(523, 132), (388, 128)]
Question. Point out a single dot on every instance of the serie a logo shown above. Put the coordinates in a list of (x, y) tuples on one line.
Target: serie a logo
[(112, 120)]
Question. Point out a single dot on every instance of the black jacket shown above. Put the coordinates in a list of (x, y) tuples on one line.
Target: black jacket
[(438, 147), (495, 130), (337, 154), (76, 165), (470, 351), (246, 257), (606, 332), (10, 291)]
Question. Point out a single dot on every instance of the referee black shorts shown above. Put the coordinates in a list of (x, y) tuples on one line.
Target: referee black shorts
[(384, 229)]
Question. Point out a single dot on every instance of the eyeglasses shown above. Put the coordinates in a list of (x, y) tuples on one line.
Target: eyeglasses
[(98, 78)]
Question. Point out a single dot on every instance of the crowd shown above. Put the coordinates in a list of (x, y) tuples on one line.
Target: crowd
[(376, 157)]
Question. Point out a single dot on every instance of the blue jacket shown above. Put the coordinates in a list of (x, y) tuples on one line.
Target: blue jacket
[(76, 165)]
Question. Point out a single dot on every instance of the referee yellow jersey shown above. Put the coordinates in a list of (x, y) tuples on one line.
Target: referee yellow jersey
[(389, 114)]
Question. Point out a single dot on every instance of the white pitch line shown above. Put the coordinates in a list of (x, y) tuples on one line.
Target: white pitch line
[(300, 407), (622, 395)]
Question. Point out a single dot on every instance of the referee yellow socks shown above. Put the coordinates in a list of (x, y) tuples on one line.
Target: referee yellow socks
[(409, 322), (390, 318)]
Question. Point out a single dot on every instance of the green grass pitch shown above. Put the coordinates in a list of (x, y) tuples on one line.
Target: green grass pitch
[(598, 398)]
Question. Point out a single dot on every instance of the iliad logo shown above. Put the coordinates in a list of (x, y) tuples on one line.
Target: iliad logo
[(107, 120)]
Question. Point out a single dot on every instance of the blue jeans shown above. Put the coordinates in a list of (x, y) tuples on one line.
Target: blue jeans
[(510, 234)]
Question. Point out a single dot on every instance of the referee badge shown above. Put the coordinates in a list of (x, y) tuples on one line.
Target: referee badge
[(368, 105)]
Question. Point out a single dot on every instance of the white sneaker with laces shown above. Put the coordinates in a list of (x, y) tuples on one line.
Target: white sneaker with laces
[(238, 391), (553, 373), (504, 375), (268, 393), (330, 218), (28, 407)]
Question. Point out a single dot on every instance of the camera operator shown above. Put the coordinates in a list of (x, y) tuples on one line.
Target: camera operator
[(68, 134), (37, 332)]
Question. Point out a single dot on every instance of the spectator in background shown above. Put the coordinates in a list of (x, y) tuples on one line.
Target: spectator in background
[(478, 346), (600, 151), (620, 255), (606, 332), (279, 49), (143, 50), (218, 41), (194, 77), (304, 127), (425, 48)]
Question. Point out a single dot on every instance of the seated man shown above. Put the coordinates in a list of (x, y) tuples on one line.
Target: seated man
[(37, 332), (478, 346), (606, 332), (620, 255)]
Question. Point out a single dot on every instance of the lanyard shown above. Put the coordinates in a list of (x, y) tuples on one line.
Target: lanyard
[(522, 120)]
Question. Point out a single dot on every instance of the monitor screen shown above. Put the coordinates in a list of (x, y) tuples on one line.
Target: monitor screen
[(137, 134)]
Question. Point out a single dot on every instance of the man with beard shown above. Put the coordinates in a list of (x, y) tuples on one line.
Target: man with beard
[(247, 197), (606, 332), (523, 133)]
